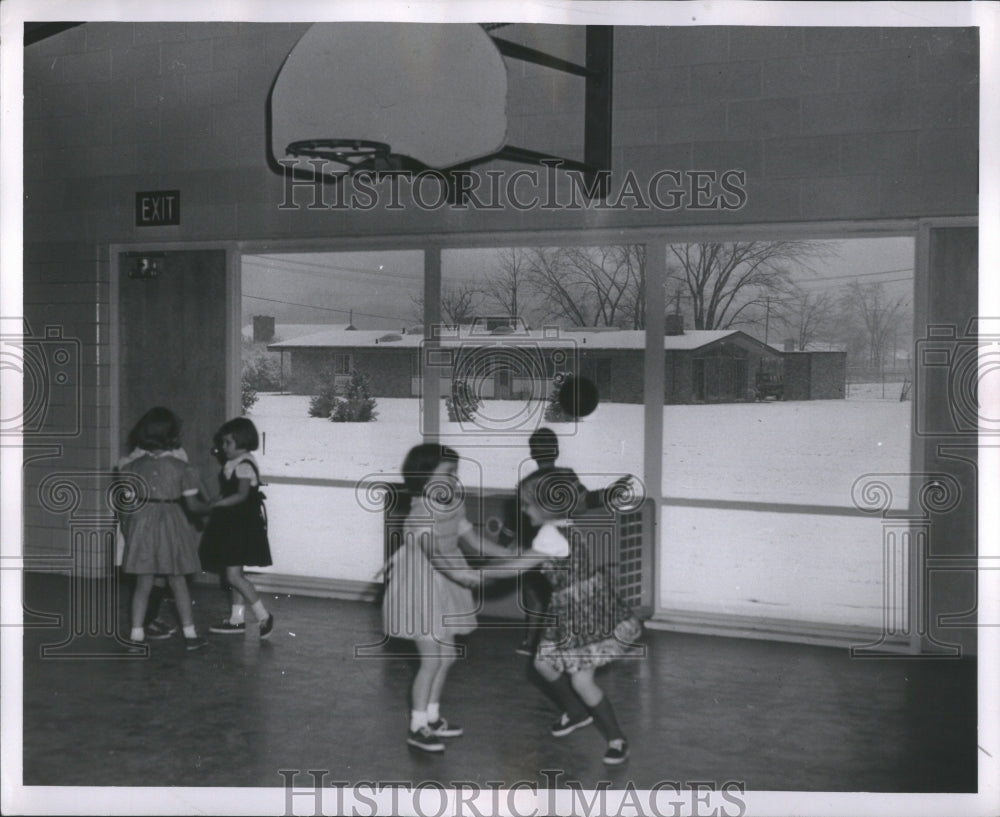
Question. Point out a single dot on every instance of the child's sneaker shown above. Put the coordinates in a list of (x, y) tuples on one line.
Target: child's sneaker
[(136, 647), (524, 648), (157, 630), (442, 729), (195, 643), (227, 627), (267, 625), (617, 752), (423, 738), (565, 725)]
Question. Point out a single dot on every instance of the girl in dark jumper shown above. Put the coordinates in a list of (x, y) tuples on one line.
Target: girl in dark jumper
[(236, 534)]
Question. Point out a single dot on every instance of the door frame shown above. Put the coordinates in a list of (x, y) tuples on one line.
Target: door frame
[(232, 308)]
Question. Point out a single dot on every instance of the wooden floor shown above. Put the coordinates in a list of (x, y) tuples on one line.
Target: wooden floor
[(696, 708)]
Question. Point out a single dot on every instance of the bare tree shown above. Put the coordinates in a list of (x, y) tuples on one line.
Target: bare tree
[(506, 286), (590, 286), (876, 315), (633, 308), (459, 304), (807, 316), (729, 283)]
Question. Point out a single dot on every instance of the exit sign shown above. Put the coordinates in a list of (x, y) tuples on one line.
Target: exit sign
[(155, 208)]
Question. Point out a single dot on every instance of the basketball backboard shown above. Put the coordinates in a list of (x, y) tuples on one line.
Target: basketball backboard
[(411, 96), (436, 93)]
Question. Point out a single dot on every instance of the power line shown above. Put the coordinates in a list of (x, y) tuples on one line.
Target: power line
[(326, 308), (262, 261), (826, 278)]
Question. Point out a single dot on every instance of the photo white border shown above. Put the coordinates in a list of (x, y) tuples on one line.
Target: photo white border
[(70, 800)]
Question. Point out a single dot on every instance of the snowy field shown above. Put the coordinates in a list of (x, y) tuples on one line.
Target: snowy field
[(806, 452), (723, 559)]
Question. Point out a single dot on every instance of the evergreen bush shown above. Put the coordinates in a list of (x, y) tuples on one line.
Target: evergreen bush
[(357, 405), (462, 403)]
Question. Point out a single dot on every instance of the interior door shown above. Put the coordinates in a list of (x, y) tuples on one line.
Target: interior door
[(172, 340)]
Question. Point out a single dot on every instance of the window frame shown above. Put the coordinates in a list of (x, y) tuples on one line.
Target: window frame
[(656, 239)]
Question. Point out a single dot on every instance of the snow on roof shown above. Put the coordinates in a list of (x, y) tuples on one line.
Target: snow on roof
[(600, 339), (823, 347), (289, 331)]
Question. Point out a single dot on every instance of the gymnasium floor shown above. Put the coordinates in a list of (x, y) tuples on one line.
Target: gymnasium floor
[(697, 708)]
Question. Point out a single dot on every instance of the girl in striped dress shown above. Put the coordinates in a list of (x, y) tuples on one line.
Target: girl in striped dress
[(160, 538)]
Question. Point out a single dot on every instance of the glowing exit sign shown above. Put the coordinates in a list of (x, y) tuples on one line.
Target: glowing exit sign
[(155, 208)]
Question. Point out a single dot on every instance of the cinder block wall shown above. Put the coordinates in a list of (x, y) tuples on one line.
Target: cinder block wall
[(829, 375), (797, 376), (827, 123)]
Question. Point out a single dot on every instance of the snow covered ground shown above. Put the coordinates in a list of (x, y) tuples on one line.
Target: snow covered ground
[(732, 558), (809, 451)]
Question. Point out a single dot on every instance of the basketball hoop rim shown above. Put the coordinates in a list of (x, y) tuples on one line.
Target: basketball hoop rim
[(344, 151)]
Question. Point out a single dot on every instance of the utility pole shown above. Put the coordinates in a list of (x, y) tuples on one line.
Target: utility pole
[(767, 318)]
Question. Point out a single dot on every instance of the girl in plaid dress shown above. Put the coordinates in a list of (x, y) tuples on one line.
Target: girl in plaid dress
[(590, 623)]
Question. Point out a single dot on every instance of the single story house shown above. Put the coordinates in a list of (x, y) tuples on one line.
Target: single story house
[(702, 366)]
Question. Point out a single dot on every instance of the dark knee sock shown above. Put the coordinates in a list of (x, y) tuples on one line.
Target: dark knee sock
[(153, 607), (562, 692), (604, 717)]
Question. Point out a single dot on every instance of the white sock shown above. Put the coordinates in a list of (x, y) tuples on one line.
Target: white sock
[(433, 712), (190, 631), (236, 615), (260, 610), (138, 634), (418, 718)]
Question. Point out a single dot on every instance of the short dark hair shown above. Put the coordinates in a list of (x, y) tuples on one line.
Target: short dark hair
[(159, 429), (243, 432), (420, 463), (543, 444)]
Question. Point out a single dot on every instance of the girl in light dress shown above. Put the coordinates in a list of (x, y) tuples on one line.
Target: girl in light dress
[(429, 592)]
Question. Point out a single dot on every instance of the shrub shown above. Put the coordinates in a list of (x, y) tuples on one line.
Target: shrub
[(261, 367), (357, 405), (462, 403), (263, 373), (554, 412), (248, 394), (323, 403)]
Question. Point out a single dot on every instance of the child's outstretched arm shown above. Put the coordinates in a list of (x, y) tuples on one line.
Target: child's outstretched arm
[(196, 503), (502, 564), (454, 568), (242, 492), (597, 498), (193, 492)]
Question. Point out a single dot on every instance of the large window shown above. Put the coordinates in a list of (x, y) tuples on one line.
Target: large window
[(786, 384), (314, 326), (763, 460), (526, 318)]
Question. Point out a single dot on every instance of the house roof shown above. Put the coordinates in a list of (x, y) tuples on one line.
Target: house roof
[(584, 339), (290, 331), (823, 347)]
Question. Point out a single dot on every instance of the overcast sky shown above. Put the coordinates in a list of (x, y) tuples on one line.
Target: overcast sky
[(377, 289)]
